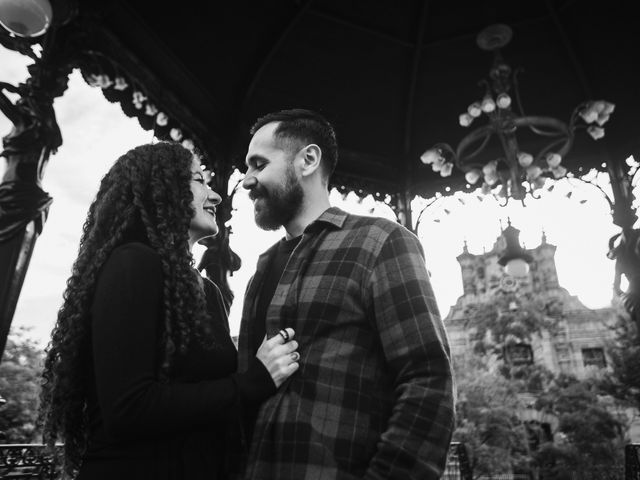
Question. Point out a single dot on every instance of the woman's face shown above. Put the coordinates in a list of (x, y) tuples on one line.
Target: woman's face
[(203, 223)]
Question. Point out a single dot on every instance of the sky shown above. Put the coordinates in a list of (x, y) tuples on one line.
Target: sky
[(96, 132)]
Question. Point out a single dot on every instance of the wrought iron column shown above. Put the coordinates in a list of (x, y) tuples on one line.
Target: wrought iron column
[(23, 203), (23, 210), (624, 247), (401, 205), (219, 261)]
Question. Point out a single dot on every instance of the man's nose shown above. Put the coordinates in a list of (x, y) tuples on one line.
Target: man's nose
[(249, 182)]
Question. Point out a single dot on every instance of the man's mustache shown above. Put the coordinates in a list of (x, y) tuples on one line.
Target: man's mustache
[(258, 192)]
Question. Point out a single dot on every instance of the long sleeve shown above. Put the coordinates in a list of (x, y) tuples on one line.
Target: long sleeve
[(415, 345), (126, 321)]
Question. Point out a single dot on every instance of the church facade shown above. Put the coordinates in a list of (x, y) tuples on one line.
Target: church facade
[(577, 347), (578, 344)]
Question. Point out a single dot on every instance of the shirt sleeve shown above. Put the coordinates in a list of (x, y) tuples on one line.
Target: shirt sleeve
[(415, 345), (126, 320)]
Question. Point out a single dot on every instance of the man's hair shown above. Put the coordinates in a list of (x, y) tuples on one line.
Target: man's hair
[(298, 126)]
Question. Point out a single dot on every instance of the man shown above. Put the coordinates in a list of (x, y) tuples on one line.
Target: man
[(373, 397)]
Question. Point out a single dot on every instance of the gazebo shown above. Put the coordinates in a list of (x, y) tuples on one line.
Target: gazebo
[(400, 79)]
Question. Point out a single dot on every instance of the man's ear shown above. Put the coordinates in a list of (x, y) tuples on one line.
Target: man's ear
[(311, 156)]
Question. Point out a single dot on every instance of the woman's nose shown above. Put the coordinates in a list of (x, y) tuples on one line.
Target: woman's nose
[(214, 197)]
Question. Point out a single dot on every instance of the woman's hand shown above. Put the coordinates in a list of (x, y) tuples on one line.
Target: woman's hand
[(279, 356)]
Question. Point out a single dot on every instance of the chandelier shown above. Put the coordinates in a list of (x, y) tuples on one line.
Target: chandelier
[(516, 172)]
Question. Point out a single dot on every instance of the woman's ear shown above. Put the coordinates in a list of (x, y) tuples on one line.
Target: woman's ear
[(311, 156)]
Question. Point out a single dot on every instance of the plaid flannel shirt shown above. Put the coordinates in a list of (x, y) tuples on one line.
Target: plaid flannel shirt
[(373, 397)]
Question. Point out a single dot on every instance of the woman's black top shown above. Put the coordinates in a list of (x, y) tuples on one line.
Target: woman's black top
[(140, 426)]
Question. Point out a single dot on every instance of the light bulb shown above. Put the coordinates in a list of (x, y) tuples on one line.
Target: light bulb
[(26, 18), (503, 100), (488, 105)]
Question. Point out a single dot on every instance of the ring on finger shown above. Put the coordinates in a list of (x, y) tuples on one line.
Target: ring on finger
[(284, 334)]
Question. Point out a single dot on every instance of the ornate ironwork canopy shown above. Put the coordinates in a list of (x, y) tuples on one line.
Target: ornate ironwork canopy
[(392, 75)]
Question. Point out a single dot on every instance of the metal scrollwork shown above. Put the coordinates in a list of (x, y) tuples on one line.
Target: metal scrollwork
[(21, 203), (458, 462), (632, 460), (624, 248), (33, 118), (219, 260), (34, 135), (28, 461), (21, 45)]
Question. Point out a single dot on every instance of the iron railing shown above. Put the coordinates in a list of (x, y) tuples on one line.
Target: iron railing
[(458, 467), (632, 461), (32, 461), (28, 461)]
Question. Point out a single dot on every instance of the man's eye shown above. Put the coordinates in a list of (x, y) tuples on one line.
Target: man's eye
[(256, 165)]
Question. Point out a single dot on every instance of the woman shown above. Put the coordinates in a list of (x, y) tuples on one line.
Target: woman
[(139, 379)]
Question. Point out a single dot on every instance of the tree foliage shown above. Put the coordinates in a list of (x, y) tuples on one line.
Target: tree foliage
[(487, 420), (492, 401), (507, 320), (20, 373), (587, 436), (590, 437), (624, 352)]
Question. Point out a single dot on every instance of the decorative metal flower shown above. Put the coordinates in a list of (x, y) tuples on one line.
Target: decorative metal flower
[(525, 172)]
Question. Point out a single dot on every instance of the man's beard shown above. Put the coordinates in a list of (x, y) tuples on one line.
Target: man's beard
[(276, 208)]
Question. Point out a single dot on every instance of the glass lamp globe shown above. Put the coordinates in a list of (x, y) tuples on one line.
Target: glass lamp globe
[(517, 267), (26, 18)]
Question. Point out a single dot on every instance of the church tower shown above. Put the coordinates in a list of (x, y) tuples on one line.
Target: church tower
[(577, 347)]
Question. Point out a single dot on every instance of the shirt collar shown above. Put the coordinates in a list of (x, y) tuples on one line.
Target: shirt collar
[(333, 216)]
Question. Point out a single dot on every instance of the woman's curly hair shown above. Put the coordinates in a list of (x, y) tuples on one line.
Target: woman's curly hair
[(146, 192)]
